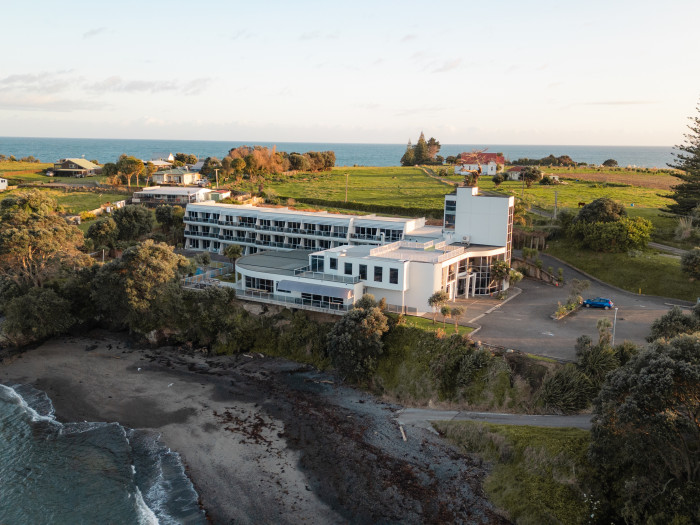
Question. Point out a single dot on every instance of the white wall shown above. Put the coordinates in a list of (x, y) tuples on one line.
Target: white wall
[(482, 218)]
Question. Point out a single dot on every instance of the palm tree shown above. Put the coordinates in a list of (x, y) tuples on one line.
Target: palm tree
[(233, 252), (456, 313)]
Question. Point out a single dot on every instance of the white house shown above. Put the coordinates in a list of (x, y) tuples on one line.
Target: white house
[(177, 176), (489, 162), (174, 196), (3, 184), (404, 269)]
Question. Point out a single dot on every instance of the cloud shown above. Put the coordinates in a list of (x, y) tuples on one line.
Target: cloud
[(310, 35), (408, 38), (448, 66), (116, 84), (44, 82), (38, 102), (94, 32), (616, 103)]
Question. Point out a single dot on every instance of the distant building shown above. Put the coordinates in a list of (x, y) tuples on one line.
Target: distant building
[(3, 184), (489, 162), (514, 173), (179, 176), (76, 168), (174, 196), (160, 164)]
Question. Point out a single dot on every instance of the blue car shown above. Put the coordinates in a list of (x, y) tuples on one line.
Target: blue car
[(598, 302)]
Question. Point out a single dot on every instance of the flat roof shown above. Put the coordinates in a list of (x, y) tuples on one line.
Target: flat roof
[(173, 190), (413, 251), (287, 211), (277, 262)]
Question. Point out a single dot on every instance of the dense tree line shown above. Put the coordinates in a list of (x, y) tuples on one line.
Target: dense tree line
[(256, 161), (550, 160), (423, 152)]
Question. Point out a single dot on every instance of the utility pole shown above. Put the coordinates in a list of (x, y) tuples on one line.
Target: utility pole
[(555, 205), (347, 175), (614, 325), (216, 171)]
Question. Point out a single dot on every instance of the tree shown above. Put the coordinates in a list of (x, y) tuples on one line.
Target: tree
[(644, 441), (39, 314), (210, 164), (687, 194), (673, 323), (530, 175), (690, 263), (610, 163), (445, 311), (437, 301), (409, 158), (421, 151), (104, 232), (433, 148), (149, 170), (185, 158), (619, 236), (355, 342), (498, 179), (127, 290), (500, 270), (128, 167), (35, 242), (456, 313), (133, 221), (297, 162), (603, 209), (110, 171), (233, 252)]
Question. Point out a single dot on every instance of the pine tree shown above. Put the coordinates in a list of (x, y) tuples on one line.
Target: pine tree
[(687, 194), (409, 158), (421, 150)]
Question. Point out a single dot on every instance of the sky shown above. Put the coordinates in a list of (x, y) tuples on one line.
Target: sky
[(505, 72)]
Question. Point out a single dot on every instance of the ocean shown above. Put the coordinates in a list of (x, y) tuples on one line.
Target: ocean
[(85, 472), (108, 150)]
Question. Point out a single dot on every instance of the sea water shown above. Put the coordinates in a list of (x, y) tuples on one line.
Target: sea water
[(73, 473), (108, 150)]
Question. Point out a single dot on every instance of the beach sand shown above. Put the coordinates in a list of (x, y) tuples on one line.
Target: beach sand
[(264, 440)]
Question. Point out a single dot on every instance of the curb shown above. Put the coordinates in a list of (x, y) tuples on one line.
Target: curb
[(627, 292)]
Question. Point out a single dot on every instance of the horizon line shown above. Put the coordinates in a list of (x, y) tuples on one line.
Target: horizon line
[(253, 142)]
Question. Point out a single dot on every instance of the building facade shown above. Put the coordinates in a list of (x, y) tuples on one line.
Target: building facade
[(157, 195), (76, 168), (325, 262)]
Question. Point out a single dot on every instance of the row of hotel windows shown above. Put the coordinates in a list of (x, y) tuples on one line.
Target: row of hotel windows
[(318, 263)]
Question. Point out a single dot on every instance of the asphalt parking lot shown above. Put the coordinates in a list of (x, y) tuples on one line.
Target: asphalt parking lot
[(524, 323)]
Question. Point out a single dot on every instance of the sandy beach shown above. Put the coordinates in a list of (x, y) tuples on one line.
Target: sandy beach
[(264, 440)]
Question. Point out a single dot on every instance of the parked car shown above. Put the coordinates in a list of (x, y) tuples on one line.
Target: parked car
[(599, 302)]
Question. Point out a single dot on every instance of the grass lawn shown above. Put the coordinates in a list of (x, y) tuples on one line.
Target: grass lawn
[(76, 201), (647, 178), (536, 470), (394, 186), (428, 326), (653, 273)]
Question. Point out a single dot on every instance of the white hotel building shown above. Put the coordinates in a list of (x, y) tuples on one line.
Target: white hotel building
[(325, 262)]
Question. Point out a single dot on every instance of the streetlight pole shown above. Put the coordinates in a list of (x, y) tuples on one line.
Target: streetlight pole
[(217, 177), (614, 325), (347, 175)]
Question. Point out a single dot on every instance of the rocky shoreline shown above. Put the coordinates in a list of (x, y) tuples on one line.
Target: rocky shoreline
[(264, 440)]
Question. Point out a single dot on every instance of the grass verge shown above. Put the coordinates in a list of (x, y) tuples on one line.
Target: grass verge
[(648, 272), (536, 470), (428, 326)]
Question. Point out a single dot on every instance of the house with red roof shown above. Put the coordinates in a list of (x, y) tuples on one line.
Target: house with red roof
[(491, 163)]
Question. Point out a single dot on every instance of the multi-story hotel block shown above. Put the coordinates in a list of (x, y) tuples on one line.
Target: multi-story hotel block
[(325, 261)]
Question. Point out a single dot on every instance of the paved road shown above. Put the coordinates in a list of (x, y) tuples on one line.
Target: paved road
[(525, 323), (421, 417)]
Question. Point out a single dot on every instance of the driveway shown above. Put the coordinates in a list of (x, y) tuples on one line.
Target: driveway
[(524, 323)]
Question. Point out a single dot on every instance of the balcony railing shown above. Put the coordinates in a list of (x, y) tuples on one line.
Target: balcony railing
[(322, 276), (294, 302)]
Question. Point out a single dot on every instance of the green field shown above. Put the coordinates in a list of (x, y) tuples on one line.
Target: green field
[(536, 471), (75, 201), (387, 186), (652, 273)]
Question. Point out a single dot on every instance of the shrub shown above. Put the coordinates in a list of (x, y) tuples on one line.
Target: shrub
[(566, 391), (690, 263), (87, 216)]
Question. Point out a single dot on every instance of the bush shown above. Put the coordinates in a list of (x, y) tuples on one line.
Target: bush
[(603, 209), (566, 391), (619, 236), (690, 263), (87, 216)]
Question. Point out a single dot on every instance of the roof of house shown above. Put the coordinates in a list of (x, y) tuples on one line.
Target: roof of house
[(484, 158), (159, 190), (177, 171), (85, 164), (516, 168), (277, 262)]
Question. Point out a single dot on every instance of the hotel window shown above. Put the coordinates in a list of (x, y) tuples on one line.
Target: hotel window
[(363, 271), (333, 263), (324, 245), (348, 268), (378, 274), (394, 275), (317, 263)]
